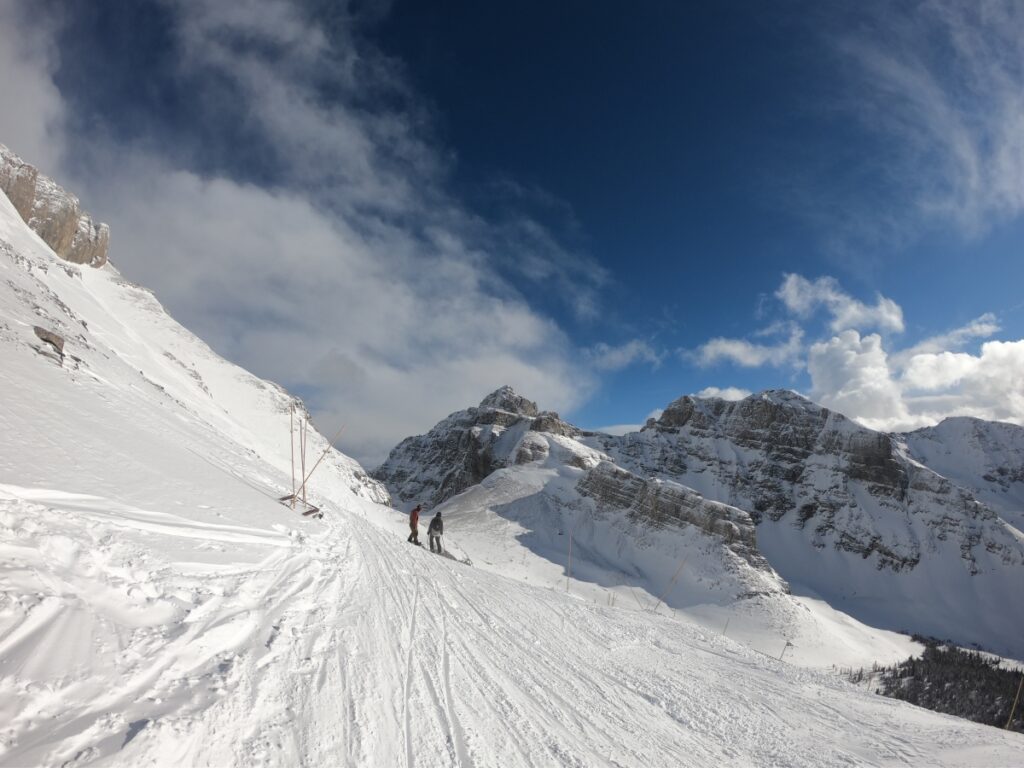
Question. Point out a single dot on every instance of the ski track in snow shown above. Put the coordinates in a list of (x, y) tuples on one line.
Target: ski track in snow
[(348, 646)]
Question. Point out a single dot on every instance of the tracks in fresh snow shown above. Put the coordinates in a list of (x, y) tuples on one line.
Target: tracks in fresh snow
[(344, 645)]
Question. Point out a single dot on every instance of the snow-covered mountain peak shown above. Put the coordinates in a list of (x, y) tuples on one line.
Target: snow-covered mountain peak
[(760, 410), (986, 457), (506, 399)]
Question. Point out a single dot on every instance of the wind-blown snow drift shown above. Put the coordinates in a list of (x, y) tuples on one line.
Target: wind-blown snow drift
[(158, 606)]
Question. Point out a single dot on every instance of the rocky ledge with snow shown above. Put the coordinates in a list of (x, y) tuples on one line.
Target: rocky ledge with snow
[(53, 213), (464, 448)]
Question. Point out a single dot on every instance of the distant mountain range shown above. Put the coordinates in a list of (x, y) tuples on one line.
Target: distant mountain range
[(916, 532)]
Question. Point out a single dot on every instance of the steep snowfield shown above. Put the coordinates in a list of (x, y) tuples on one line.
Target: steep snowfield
[(985, 456), (158, 607)]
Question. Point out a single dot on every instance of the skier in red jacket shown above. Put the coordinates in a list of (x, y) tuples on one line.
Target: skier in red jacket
[(414, 525)]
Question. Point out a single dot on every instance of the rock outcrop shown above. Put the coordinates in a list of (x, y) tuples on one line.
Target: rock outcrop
[(789, 461), (53, 213), (458, 452), (661, 504)]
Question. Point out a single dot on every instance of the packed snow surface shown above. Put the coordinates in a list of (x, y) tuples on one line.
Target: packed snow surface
[(158, 606)]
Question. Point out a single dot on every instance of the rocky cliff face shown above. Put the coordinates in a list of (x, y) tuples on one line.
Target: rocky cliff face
[(465, 448), (53, 213), (791, 462), (663, 504)]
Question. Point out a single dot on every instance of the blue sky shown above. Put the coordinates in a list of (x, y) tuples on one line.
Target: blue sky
[(393, 208)]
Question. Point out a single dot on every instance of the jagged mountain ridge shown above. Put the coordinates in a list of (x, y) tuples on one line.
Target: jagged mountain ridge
[(532, 469), (779, 455), (839, 509)]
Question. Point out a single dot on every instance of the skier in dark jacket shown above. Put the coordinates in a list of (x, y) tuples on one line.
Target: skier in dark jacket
[(435, 531), (414, 526)]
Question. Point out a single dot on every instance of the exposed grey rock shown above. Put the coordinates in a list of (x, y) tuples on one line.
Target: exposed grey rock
[(506, 399), (53, 213), (18, 181), (662, 504), (53, 339), (789, 461), (549, 421), (457, 453)]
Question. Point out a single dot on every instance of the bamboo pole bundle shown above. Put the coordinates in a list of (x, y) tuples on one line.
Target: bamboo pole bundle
[(291, 445), (303, 426)]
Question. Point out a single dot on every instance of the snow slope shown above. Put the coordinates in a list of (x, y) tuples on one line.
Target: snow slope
[(158, 607), (984, 456)]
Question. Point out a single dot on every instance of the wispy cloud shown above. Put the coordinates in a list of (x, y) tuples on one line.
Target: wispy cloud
[(625, 429), (940, 85), (866, 375), (605, 357), (979, 328), (351, 275), (802, 297), (725, 393), (34, 110), (750, 354)]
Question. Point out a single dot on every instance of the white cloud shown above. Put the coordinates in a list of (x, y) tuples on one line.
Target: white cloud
[(979, 328), (725, 393), (354, 279), (938, 370), (940, 83), (33, 109), (854, 375), (802, 297), (851, 375), (890, 389), (750, 354), (608, 358)]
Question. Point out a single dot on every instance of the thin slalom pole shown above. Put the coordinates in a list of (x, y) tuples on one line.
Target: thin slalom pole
[(674, 577), (568, 572), (632, 591), (1014, 708), (785, 648)]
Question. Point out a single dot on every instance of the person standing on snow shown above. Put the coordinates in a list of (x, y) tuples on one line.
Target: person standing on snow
[(435, 531), (414, 525)]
